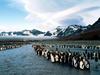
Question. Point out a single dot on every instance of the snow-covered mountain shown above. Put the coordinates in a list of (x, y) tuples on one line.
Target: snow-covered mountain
[(60, 31), (90, 32), (33, 32), (48, 33), (71, 29)]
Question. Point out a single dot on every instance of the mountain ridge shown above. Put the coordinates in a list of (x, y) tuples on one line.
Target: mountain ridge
[(67, 32)]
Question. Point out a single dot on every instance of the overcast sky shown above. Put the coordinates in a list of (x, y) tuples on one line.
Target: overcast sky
[(46, 15)]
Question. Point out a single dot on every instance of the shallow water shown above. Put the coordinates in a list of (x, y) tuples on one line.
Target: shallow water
[(24, 61)]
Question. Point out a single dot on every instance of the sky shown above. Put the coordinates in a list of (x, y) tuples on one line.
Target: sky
[(44, 15)]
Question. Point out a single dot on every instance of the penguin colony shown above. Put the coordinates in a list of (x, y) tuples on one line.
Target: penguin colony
[(5, 47), (74, 59)]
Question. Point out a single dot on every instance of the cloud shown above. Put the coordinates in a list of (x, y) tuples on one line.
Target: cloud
[(72, 20), (64, 15), (48, 14)]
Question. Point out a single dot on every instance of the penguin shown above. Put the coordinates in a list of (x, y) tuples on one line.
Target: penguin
[(88, 55), (84, 55), (40, 52), (91, 55), (81, 65), (87, 66), (66, 56), (64, 46), (94, 54), (76, 63), (52, 57), (37, 51), (48, 55), (73, 61), (45, 54), (69, 56), (86, 63), (35, 48), (96, 57), (85, 51), (61, 57), (78, 58), (57, 57), (70, 60)]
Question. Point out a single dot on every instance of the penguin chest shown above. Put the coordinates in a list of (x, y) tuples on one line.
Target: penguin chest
[(52, 58), (57, 58), (81, 65)]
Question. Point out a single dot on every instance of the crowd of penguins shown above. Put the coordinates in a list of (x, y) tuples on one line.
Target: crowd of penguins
[(74, 59)]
